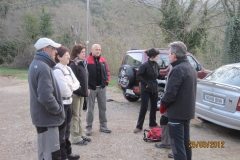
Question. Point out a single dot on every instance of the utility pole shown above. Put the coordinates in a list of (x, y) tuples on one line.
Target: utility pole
[(87, 42)]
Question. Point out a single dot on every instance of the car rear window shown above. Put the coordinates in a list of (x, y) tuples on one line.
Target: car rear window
[(163, 61), (226, 74), (133, 59)]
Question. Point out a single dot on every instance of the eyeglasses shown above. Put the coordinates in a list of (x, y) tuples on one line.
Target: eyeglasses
[(52, 48)]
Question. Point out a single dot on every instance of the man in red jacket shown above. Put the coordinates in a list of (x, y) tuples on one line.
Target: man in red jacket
[(98, 79)]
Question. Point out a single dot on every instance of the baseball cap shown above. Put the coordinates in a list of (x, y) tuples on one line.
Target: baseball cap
[(44, 42)]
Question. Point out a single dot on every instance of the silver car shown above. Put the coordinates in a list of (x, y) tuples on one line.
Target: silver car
[(218, 97)]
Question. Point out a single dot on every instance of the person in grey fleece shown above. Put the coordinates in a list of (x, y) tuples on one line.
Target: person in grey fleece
[(46, 106)]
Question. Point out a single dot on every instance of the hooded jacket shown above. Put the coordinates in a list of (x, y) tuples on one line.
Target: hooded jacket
[(46, 106)]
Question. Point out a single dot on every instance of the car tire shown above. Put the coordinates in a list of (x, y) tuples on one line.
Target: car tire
[(126, 76), (129, 98)]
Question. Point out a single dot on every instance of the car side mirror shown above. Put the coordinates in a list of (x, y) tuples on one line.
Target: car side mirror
[(199, 67)]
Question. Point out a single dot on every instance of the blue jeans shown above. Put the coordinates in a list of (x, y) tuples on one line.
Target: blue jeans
[(180, 137)]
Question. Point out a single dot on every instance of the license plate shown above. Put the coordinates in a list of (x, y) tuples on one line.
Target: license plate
[(129, 91), (213, 99)]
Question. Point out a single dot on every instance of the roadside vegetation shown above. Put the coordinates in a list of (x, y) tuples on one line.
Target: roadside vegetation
[(209, 28), (16, 73)]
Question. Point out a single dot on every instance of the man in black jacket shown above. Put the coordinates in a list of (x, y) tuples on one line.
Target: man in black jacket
[(99, 77), (179, 100)]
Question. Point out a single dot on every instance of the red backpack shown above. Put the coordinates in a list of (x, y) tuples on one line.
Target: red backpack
[(153, 135)]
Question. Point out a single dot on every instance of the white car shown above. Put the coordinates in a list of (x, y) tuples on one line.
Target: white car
[(218, 96)]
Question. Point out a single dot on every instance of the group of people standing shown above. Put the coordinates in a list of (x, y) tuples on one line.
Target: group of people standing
[(59, 82), (178, 103)]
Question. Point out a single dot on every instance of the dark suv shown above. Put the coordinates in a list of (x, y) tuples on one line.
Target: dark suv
[(134, 58)]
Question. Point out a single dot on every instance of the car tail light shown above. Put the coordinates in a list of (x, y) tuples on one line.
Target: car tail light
[(136, 89), (119, 86), (238, 105)]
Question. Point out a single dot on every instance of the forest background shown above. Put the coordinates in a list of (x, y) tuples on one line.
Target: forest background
[(210, 28)]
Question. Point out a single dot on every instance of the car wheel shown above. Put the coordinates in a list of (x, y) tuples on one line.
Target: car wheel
[(126, 76), (129, 98)]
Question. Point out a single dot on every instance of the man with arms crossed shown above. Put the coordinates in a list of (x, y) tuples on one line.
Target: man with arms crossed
[(46, 106), (179, 100)]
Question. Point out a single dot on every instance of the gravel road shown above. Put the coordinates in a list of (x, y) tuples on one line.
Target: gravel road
[(18, 135)]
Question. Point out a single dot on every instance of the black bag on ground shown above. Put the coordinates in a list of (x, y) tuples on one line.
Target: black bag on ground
[(153, 135)]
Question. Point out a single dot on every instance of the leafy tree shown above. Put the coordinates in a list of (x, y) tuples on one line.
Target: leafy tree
[(45, 27), (177, 24), (185, 21), (232, 33), (8, 51), (31, 26)]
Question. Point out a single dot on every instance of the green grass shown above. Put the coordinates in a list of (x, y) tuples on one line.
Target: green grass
[(13, 72), (113, 82)]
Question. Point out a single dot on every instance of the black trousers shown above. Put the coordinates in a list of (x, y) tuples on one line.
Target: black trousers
[(145, 96), (64, 133), (179, 131)]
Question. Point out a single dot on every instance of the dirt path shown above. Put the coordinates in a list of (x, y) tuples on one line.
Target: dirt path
[(18, 135)]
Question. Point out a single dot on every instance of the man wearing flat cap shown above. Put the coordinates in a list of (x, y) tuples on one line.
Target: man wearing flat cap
[(46, 107)]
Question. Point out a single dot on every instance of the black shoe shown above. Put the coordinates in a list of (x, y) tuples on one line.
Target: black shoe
[(86, 139), (73, 156), (170, 155), (81, 143), (105, 130)]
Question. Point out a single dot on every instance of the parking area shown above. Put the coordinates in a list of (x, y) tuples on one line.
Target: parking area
[(18, 135)]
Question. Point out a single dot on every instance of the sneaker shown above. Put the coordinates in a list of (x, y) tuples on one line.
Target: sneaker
[(105, 130), (160, 145), (89, 131), (170, 155), (136, 130), (81, 143)]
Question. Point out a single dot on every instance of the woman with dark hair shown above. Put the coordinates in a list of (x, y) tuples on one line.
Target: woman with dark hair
[(67, 83), (79, 68), (147, 74)]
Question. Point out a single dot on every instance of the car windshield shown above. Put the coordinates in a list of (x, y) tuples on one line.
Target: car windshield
[(227, 75), (133, 59), (163, 61)]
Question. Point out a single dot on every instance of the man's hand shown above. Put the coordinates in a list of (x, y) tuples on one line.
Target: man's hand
[(162, 109)]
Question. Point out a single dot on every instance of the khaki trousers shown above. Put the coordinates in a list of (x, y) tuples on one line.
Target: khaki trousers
[(76, 124)]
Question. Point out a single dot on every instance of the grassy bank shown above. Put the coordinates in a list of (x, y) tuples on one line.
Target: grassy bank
[(12, 72), (22, 74)]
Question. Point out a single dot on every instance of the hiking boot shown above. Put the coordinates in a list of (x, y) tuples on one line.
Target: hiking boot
[(105, 130), (89, 131), (160, 145)]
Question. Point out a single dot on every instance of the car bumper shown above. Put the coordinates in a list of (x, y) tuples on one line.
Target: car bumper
[(217, 116)]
